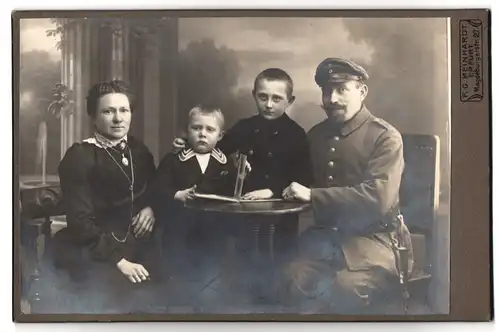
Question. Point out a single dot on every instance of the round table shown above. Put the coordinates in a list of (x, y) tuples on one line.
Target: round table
[(260, 213), (271, 207), (263, 217)]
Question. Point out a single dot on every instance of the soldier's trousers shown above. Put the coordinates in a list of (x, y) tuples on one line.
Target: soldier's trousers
[(319, 280)]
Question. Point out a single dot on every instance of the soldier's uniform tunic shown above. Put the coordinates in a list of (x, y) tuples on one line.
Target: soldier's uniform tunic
[(347, 254)]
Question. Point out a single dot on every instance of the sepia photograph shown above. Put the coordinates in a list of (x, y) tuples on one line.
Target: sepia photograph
[(234, 165)]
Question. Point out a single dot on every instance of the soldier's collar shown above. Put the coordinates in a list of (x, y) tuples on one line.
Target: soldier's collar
[(355, 122), (189, 153)]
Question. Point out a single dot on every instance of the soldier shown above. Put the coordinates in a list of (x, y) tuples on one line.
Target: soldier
[(357, 163)]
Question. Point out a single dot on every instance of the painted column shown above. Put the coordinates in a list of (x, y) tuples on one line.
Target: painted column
[(64, 55), (90, 54), (151, 96), (168, 84)]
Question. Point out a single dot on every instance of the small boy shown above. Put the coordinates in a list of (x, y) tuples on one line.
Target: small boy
[(276, 147), (199, 166)]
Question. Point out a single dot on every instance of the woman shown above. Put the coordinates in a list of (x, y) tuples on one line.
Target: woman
[(109, 213)]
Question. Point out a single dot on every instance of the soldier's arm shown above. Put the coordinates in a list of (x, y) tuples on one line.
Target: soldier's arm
[(376, 194)]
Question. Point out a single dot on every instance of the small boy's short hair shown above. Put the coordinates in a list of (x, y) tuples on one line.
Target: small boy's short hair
[(206, 109), (275, 74)]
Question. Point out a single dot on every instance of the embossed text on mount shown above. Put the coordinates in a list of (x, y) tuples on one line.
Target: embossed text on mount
[(471, 60)]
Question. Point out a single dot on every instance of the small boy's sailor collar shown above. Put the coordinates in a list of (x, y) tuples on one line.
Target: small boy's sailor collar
[(217, 154)]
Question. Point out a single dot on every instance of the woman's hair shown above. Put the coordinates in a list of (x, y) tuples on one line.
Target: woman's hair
[(208, 109), (103, 88)]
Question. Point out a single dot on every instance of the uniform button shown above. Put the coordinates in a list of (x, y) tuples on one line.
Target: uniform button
[(336, 138), (266, 176), (256, 130), (276, 133), (330, 178), (250, 152), (270, 154), (332, 149), (330, 163), (335, 229)]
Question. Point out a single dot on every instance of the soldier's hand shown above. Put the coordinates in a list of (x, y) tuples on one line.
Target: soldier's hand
[(297, 191)]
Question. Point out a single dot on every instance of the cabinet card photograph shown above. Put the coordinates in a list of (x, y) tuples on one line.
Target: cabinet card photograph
[(255, 165)]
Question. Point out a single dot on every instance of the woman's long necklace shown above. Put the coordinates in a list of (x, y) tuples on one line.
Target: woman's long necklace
[(124, 159), (131, 187)]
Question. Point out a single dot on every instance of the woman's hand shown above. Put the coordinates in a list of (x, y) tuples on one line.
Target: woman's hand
[(136, 273), (186, 194), (258, 194), (143, 222)]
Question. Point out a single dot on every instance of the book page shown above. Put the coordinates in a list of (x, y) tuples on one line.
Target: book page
[(234, 200)]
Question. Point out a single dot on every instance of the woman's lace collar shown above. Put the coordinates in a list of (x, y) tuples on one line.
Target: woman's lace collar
[(103, 142)]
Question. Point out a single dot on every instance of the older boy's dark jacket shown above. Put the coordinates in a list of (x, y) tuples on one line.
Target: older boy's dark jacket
[(277, 150), (181, 171)]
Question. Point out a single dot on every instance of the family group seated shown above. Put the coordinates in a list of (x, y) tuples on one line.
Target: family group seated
[(131, 241)]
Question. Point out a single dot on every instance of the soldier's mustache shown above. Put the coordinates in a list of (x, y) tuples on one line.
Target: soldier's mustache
[(334, 107)]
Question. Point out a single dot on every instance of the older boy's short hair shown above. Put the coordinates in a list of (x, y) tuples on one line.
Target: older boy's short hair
[(275, 74), (206, 109)]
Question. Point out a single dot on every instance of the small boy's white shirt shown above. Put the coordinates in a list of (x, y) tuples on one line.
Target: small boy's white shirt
[(203, 159)]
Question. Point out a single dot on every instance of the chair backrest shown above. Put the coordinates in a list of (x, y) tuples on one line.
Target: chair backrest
[(419, 193), (42, 202)]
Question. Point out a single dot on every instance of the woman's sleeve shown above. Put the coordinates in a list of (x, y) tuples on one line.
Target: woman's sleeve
[(150, 169), (73, 174)]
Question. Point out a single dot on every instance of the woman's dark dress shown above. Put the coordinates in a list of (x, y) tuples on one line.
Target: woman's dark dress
[(98, 203)]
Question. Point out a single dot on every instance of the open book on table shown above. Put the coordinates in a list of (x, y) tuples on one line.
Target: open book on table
[(233, 199)]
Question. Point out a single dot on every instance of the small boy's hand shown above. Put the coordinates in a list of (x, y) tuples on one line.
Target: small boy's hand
[(258, 194), (185, 195), (178, 144)]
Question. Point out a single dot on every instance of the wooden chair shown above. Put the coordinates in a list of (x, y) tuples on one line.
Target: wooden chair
[(38, 206), (419, 202)]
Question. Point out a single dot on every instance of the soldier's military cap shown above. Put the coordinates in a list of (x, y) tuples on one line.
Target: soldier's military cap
[(337, 70)]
